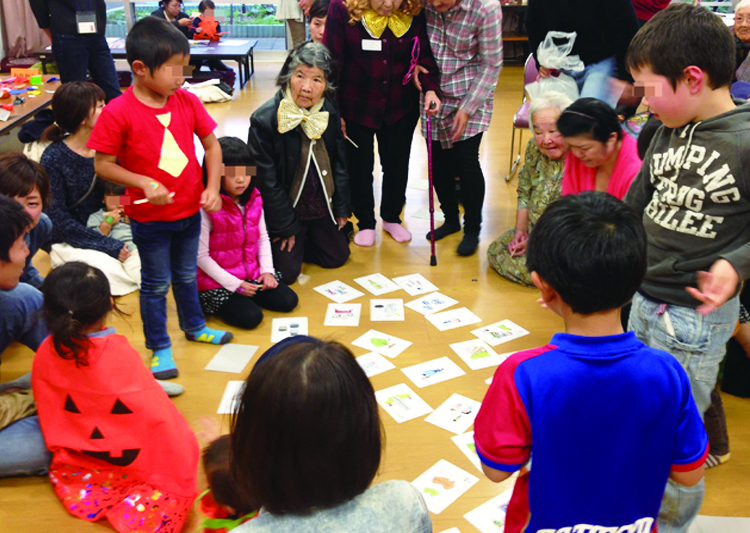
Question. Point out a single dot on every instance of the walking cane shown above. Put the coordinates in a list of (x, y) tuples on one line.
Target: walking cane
[(433, 258)]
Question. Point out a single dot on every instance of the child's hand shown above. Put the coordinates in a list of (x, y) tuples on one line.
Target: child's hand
[(715, 287), (248, 289), (210, 201), (114, 215), (268, 281), (156, 193), (124, 254)]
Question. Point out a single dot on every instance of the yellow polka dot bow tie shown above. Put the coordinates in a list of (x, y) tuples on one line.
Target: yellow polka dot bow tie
[(290, 115), (398, 22)]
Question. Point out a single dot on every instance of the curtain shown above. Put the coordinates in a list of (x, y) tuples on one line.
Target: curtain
[(21, 31)]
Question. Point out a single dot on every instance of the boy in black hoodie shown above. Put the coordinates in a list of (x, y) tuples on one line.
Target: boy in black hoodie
[(693, 193)]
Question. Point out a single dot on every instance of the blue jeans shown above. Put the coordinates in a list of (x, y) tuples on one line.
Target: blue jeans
[(78, 55), (698, 342), (22, 449), (18, 317), (35, 239), (169, 253), (593, 81)]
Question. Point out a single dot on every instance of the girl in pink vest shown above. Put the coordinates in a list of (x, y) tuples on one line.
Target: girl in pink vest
[(235, 266)]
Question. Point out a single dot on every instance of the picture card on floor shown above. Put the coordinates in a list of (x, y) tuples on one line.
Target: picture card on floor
[(452, 530), (231, 398), (377, 284), (455, 318), (431, 372), (402, 403), (387, 310), (477, 354), (424, 214), (415, 284), (456, 414), (500, 332), (339, 292), (232, 358), (281, 328), (490, 516), (374, 363), (343, 315), (465, 443), (442, 484), (431, 303), (381, 343)]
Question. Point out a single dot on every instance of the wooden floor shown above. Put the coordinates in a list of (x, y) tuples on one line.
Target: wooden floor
[(29, 505)]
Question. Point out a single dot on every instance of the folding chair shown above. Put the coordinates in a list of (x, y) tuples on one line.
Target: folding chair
[(521, 118)]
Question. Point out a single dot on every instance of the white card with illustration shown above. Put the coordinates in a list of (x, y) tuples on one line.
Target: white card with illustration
[(442, 484), (477, 354), (465, 443), (500, 332), (382, 310), (343, 314), (377, 284), (338, 292), (384, 344), (452, 319), (415, 284), (374, 363), (431, 303), (456, 414), (431, 372), (281, 328), (402, 403), (490, 516)]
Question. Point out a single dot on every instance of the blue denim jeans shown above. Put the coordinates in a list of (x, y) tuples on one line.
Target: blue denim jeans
[(22, 449), (698, 342), (35, 239), (593, 81), (78, 55), (169, 253), (18, 317)]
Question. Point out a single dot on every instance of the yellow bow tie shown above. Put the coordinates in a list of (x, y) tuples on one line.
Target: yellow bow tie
[(290, 115), (399, 22)]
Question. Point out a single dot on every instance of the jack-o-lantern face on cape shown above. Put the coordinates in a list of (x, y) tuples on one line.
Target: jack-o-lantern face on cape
[(114, 421)]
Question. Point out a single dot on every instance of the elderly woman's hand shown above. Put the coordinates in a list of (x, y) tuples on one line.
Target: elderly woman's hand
[(517, 246), (431, 103)]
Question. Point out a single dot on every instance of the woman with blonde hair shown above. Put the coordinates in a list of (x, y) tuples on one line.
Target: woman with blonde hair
[(378, 45)]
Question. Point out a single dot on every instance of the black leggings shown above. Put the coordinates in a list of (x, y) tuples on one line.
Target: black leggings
[(245, 311)]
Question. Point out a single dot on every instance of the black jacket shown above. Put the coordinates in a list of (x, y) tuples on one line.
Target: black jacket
[(276, 158), (187, 31), (60, 15)]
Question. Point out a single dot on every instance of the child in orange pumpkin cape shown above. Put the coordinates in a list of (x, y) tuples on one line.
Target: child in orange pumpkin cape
[(121, 449)]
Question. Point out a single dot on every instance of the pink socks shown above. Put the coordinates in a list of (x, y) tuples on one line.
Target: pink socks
[(397, 231), (365, 237)]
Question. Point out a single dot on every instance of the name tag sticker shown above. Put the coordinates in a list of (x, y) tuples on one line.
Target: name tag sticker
[(372, 45), (86, 22)]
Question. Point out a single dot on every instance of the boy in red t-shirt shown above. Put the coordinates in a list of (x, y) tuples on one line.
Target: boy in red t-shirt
[(144, 140)]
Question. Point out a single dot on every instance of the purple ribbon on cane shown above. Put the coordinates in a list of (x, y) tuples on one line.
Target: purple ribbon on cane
[(414, 58)]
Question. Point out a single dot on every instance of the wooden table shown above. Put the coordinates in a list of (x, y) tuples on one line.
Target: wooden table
[(22, 113)]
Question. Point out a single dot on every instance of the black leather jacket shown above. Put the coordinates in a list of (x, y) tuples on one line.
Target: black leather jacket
[(276, 158)]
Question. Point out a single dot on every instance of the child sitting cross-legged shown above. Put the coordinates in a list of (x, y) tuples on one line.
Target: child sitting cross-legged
[(606, 418)]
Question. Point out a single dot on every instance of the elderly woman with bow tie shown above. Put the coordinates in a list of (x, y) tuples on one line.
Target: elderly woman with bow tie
[(297, 143)]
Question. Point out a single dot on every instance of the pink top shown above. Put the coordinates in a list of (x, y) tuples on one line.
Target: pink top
[(212, 268), (577, 177)]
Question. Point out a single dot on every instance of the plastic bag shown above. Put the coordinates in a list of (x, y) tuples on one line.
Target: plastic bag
[(557, 57)]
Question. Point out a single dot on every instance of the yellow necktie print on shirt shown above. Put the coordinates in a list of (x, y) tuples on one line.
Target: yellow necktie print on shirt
[(172, 160)]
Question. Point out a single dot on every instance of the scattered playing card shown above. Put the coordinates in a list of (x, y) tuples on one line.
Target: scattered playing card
[(465, 443), (281, 328), (477, 354), (402, 403), (387, 310), (455, 318), (456, 414), (452, 530), (500, 332), (231, 398), (381, 343), (415, 284), (442, 484), (377, 284), (424, 214), (431, 372), (231, 358), (431, 303), (374, 363), (343, 314), (339, 292), (490, 516)]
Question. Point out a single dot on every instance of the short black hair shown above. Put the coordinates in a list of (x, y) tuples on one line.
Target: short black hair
[(306, 434), (680, 36), (113, 189), (591, 249), (153, 41), (206, 4), (319, 9), (19, 176), (216, 464), (589, 116), (234, 153), (14, 222)]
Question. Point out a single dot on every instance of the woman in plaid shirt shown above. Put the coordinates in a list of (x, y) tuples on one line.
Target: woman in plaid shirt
[(378, 44)]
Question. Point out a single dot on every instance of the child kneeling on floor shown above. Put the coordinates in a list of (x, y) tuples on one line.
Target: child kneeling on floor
[(235, 264), (121, 449), (606, 418)]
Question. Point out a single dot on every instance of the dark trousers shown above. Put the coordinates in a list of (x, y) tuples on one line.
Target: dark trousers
[(319, 242), (245, 312), (463, 161), (394, 149), (78, 55)]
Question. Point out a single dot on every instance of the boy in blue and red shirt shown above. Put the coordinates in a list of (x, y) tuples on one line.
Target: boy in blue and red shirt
[(606, 419)]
